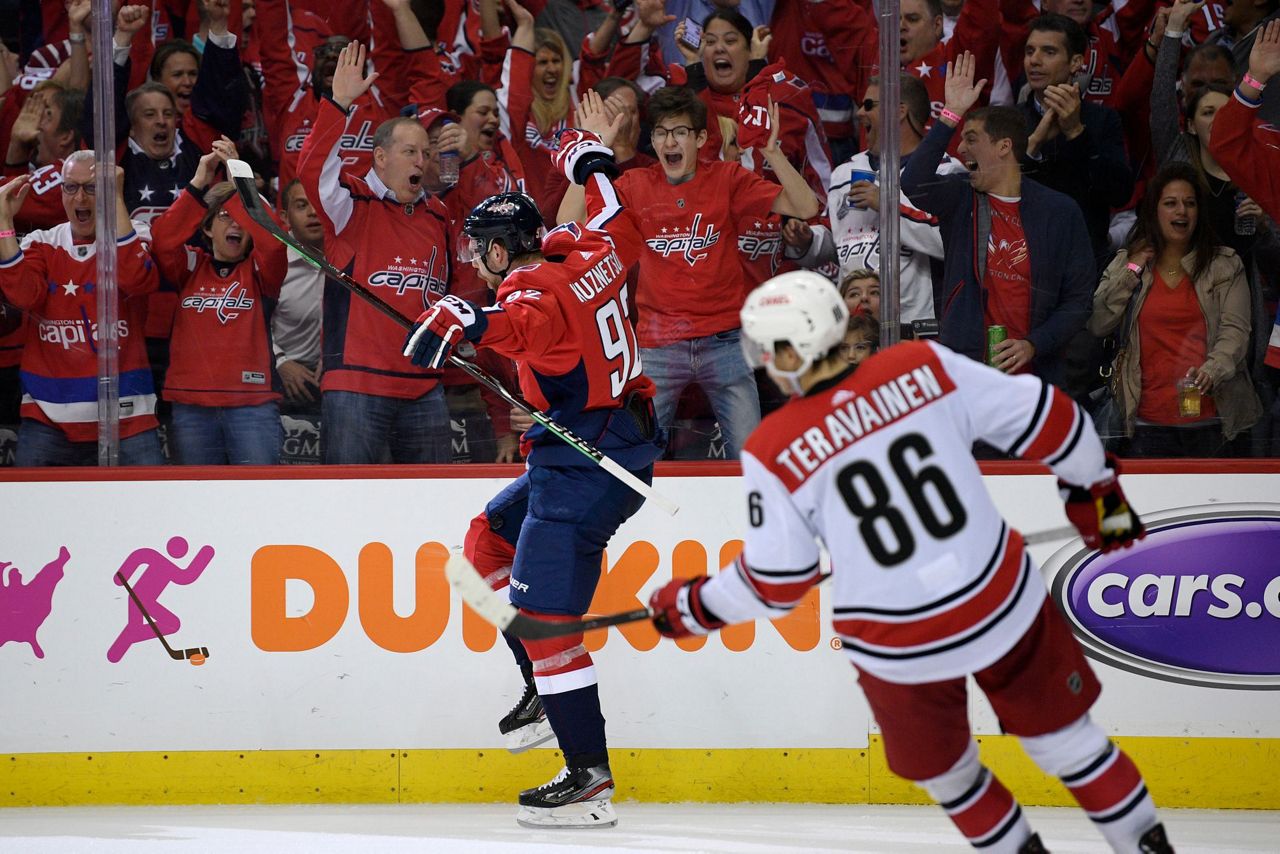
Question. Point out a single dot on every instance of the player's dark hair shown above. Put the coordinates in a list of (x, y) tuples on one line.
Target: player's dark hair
[(149, 88), (1193, 104), (863, 323), (1073, 34), (288, 188), (386, 130), (167, 49), (460, 95), (70, 103), (733, 18), (915, 97), (1003, 123), (934, 7), (1146, 228), (609, 85), (678, 101)]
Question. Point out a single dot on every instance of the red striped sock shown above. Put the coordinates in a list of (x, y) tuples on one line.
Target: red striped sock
[(1112, 792), (988, 815)]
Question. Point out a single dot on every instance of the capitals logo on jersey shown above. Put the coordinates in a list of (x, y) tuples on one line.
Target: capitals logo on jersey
[(228, 304), (74, 334), (416, 275), (691, 243)]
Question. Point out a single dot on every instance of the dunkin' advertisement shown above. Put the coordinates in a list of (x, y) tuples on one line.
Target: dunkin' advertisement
[(300, 613)]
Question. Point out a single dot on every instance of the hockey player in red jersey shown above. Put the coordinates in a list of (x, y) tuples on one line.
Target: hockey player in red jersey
[(930, 584), (562, 314)]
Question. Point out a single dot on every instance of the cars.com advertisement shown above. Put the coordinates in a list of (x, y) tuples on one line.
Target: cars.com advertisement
[(1198, 602)]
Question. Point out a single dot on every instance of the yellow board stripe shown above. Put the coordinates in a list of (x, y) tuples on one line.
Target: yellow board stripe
[(1224, 773)]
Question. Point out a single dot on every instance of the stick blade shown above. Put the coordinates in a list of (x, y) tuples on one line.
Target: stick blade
[(486, 602)]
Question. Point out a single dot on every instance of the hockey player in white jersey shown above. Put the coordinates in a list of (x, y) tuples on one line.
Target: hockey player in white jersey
[(930, 584)]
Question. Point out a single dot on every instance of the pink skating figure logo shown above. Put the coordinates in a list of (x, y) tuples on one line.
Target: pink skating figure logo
[(147, 617), (25, 607)]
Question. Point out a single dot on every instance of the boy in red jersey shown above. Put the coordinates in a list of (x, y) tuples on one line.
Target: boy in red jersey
[(220, 379), (930, 584), (562, 313), (691, 281), (52, 276)]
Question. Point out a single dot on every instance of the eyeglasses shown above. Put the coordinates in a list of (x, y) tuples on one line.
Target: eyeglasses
[(681, 133), (70, 189), (868, 105), (223, 215)]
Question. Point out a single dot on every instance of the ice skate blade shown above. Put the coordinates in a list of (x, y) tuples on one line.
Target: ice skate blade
[(585, 814), (520, 740)]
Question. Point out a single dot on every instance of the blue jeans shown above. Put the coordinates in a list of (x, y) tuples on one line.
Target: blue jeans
[(218, 435), (715, 363), (359, 429), (42, 445)]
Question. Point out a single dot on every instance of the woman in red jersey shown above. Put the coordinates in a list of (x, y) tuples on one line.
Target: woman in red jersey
[(221, 379)]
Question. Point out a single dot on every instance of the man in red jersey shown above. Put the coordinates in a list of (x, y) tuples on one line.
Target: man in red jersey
[(393, 237), (930, 584), (691, 281), (562, 313), (52, 276)]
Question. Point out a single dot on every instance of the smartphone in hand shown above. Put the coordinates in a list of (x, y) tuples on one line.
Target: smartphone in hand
[(692, 37)]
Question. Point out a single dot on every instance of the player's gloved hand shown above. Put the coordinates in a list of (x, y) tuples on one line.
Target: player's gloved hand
[(678, 611), (582, 153), (440, 328), (1101, 512)]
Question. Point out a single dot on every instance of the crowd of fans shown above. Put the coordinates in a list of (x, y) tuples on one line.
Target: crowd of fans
[(1089, 194)]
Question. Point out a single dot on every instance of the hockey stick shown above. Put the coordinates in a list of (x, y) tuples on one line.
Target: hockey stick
[(242, 175), (495, 609), (196, 654)]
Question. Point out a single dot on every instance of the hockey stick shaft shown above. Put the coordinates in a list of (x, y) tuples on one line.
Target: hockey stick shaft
[(491, 605), (173, 653), (242, 176)]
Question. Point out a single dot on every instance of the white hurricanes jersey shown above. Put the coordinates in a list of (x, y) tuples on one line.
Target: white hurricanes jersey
[(929, 582)]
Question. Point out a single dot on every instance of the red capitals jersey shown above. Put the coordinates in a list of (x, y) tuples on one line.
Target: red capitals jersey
[(832, 44), (691, 283), (402, 252), (289, 104), (221, 350), (52, 278), (43, 206), (566, 320), (975, 32), (929, 582)]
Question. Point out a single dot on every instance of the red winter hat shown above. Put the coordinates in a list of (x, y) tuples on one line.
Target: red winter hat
[(430, 115)]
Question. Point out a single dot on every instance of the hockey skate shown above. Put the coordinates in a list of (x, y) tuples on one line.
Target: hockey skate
[(575, 798), (1154, 841), (526, 725)]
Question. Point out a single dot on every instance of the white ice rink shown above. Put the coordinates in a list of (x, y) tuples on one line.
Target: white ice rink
[(491, 829)]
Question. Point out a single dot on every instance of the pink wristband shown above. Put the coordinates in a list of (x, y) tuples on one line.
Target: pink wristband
[(9, 232), (950, 116), (1137, 271), (1250, 80)]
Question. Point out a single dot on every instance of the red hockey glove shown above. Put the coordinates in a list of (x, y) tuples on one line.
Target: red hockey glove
[(678, 611), (582, 153), (440, 328), (1101, 513)]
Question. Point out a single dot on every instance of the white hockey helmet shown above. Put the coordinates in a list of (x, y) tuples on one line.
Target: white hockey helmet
[(800, 308)]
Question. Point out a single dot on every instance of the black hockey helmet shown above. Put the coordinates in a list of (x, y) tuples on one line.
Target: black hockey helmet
[(510, 218)]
